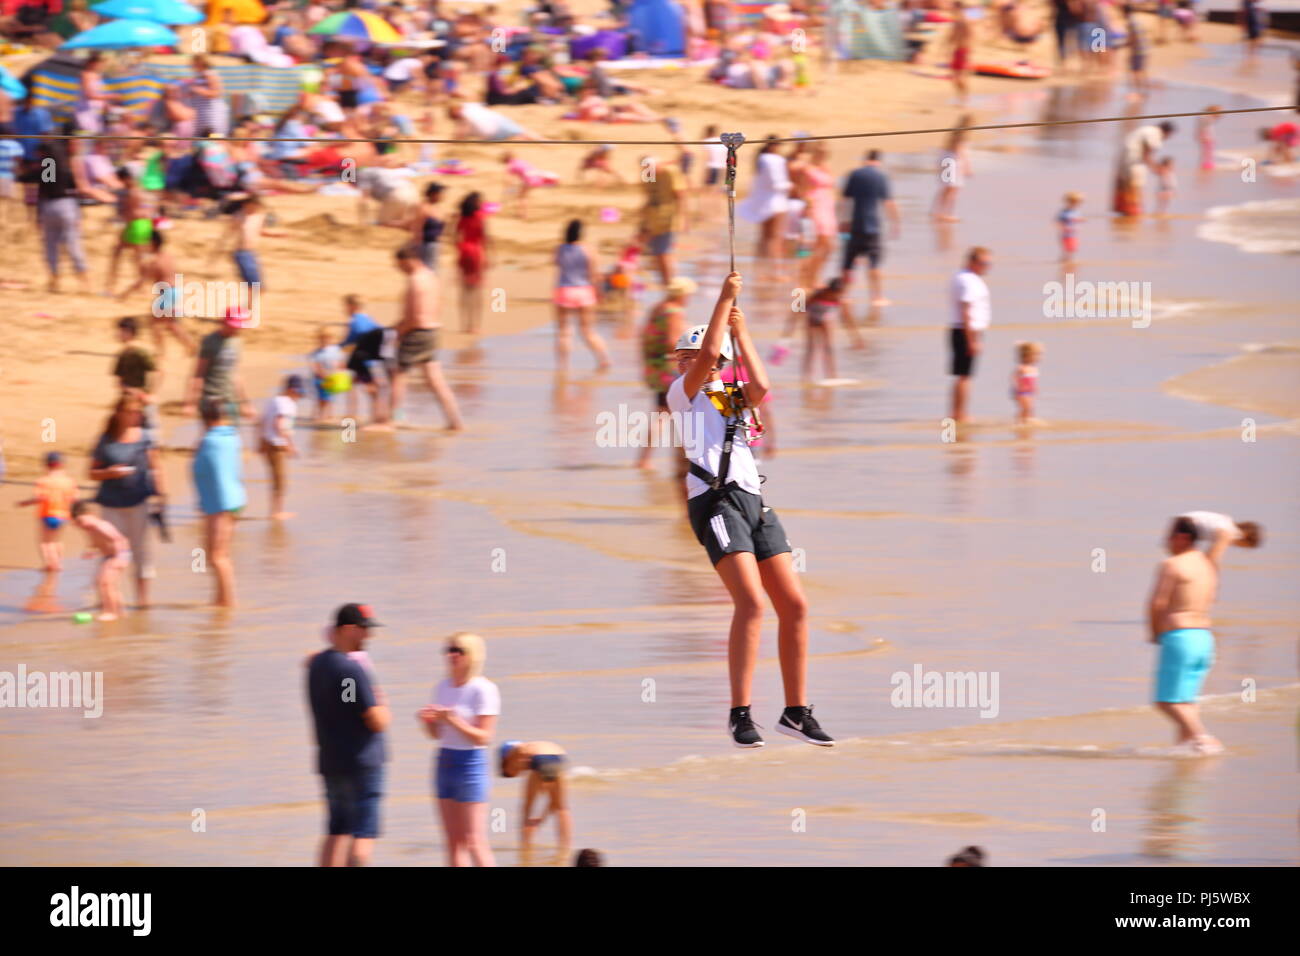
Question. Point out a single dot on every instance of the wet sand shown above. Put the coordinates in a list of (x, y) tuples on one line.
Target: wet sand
[(968, 556)]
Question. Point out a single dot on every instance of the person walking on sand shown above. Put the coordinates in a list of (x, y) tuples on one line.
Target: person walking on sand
[(417, 336), (1179, 619), (166, 300), (277, 444), (350, 714), (472, 245), (218, 478), (867, 188), (575, 295), (971, 314), (216, 375), (462, 718), (743, 537), (544, 763)]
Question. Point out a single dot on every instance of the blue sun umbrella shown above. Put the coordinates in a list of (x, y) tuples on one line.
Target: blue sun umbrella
[(122, 35), (174, 12)]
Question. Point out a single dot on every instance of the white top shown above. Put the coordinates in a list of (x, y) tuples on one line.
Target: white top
[(969, 288), (703, 429), (717, 154), (1209, 524), (477, 697), (481, 119), (771, 187), (277, 407), (1138, 142)]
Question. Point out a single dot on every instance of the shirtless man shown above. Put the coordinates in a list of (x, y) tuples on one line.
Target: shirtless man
[(417, 336), (115, 550), (1179, 614)]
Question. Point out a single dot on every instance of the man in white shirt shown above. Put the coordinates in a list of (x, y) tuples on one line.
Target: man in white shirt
[(276, 430), (971, 314)]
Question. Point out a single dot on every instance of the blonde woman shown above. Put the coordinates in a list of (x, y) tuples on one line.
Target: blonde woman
[(462, 718)]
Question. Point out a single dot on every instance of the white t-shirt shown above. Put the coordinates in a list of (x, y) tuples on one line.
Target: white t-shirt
[(277, 407), (1209, 524), (703, 429), (481, 119), (969, 288), (477, 697)]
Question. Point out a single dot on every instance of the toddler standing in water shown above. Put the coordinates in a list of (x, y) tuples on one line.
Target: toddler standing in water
[(1069, 218), (1024, 381)]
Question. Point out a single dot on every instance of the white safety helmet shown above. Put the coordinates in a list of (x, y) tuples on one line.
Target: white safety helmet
[(693, 338)]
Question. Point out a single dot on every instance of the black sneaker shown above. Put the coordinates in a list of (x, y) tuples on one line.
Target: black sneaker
[(742, 729), (799, 723)]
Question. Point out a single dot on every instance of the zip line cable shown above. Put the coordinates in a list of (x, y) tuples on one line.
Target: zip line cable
[(630, 142)]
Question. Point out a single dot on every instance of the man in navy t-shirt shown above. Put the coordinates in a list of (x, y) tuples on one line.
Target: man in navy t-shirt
[(868, 188), (350, 714)]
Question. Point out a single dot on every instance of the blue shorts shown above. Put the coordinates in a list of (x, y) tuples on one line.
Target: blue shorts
[(1185, 658), (462, 775), (353, 801), (322, 393), (52, 522)]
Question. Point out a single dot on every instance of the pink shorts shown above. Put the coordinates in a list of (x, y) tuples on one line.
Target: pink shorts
[(575, 296)]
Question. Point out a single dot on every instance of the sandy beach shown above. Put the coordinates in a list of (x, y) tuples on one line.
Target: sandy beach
[(976, 555)]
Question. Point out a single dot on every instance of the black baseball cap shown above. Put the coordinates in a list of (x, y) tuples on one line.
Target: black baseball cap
[(359, 614)]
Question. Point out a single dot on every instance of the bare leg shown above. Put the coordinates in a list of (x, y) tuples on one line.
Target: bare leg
[(960, 392), (442, 392), (783, 587), (587, 326), (476, 843), (334, 851), (563, 346), (739, 572)]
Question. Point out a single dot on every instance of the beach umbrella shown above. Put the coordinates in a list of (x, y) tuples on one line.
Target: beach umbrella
[(173, 12), (357, 25), (11, 85), (122, 35)]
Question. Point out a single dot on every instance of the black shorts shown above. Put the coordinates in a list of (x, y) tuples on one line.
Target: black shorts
[(963, 362), (863, 244), (368, 347), (729, 521), (348, 99), (713, 176)]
